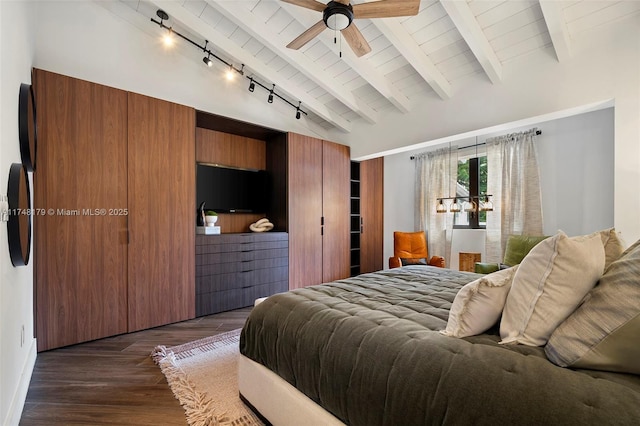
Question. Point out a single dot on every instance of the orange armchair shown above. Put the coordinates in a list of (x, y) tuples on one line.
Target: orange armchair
[(412, 245)]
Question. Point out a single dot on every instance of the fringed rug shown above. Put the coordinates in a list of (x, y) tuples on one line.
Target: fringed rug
[(203, 376)]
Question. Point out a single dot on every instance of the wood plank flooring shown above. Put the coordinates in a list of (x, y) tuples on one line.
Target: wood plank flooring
[(113, 381)]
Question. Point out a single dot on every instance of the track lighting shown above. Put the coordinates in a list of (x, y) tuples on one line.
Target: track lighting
[(270, 98), (208, 60)]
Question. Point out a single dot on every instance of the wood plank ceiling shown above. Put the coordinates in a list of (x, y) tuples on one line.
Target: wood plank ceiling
[(431, 54)]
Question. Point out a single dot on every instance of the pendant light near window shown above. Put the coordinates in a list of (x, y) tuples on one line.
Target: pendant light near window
[(471, 204)]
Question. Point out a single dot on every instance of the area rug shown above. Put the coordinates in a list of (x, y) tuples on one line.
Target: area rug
[(203, 376)]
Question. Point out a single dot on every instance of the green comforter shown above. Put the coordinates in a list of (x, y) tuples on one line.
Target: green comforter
[(367, 349)]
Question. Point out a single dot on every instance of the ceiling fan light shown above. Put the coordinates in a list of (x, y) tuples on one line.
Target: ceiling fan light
[(337, 16)]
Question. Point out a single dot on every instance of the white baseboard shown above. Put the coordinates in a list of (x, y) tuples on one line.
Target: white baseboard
[(17, 402)]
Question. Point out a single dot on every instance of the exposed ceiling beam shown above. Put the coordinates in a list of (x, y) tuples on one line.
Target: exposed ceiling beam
[(412, 52), (359, 65), (466, 23), (552, 12), (242, 17), (180, 14)]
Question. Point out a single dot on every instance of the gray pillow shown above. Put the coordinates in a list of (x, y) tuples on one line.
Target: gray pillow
[(603, 333)]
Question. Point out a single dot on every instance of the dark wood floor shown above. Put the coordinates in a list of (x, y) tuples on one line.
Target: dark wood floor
[(113, 381)]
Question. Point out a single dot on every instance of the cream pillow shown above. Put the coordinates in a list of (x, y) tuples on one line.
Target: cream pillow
[(478, 305), (550, 283)]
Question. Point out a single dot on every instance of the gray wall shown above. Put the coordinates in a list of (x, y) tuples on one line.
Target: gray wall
[(576, 160)]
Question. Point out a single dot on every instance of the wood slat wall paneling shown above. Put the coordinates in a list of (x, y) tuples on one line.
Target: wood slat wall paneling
[(80, 257), (162, 209), (336, 191), (304, 210), (371, 204)]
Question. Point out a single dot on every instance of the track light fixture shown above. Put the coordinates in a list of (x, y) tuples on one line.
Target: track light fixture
[(231, 72), (270, 98)]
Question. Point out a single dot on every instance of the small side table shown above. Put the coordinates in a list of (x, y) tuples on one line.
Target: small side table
[(468, 261)]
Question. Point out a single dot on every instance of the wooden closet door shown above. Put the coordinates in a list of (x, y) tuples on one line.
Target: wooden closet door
[(305, 210), (80, 250), (336, 191), (161, 212), (371, 211)]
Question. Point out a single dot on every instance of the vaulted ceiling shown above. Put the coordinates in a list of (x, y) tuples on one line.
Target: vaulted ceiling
[(430, 54)]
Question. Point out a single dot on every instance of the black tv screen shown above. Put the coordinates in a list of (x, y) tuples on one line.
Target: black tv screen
[(229, 190)]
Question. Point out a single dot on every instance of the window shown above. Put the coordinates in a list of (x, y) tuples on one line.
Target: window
[(472, 182)]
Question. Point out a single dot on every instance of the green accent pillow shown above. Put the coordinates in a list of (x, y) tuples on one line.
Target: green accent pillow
[(518, 246), (603, 333)]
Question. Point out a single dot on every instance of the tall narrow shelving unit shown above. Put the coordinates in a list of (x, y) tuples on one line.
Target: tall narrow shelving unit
[(356, 219)]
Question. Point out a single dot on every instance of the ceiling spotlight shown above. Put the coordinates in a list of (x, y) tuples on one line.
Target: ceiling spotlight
[(229, 73), (298, 110), (270, 98), (207, 60), (252, 85), (168, 38)]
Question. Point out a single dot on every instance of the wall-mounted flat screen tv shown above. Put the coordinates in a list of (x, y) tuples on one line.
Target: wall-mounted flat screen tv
[(230, 190)]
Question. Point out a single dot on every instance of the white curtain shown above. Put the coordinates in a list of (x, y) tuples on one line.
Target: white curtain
[(514, 180), (436, 176)]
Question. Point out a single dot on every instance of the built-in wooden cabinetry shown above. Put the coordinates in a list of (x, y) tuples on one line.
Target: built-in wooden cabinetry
[(80, 254), (371, 214), (233, 270), (161, 166), (114, 233), (367, 226), (318, 210), (115, 214)]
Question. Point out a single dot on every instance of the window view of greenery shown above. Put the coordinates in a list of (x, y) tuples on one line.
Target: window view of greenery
[(463, 189)]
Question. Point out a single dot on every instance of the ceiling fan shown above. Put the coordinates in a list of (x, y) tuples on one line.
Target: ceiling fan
[(338, 15)]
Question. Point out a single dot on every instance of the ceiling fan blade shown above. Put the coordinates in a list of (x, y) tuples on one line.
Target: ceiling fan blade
[(386, 8), (356, 40), (345, 2), (308, 4), (307, 36)]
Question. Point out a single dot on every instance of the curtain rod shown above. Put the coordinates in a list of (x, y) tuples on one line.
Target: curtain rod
[(413, 157)]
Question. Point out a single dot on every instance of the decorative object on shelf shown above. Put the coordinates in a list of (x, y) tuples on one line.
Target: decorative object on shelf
[(210, 218), (262, 225), (208, 230), (200, 215), (27, 130), (19, 224), (231, 69)]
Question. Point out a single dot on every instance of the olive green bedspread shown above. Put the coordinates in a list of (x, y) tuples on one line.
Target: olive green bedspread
[(367, 349)]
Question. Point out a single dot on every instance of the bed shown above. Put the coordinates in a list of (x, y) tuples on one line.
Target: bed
[(367, 351)]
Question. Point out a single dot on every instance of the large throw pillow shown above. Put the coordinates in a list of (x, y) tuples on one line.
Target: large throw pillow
[(478, 305), (603, 333), (550, 283)]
